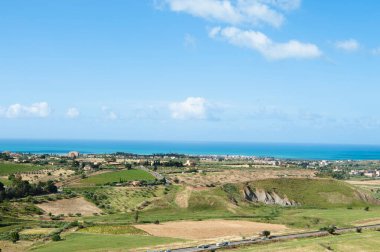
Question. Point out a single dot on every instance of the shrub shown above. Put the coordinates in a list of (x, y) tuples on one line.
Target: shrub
[(266, 233), (14, 237), (56, 237), (330, 229)]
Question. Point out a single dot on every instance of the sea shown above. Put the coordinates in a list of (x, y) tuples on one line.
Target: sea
[(275, 150)]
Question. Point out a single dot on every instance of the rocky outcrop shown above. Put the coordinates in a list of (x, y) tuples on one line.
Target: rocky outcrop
[(269, 198)]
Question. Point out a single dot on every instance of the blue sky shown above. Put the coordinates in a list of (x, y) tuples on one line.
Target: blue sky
[(234, 70)]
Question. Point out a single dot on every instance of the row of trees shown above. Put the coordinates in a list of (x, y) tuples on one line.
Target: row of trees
[(21, 188)]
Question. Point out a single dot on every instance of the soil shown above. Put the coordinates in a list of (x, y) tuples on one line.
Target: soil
[(210, 229), (70, 206)]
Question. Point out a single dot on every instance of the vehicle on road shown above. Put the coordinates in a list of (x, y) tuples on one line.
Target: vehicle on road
[(203, 246), (222, 244)]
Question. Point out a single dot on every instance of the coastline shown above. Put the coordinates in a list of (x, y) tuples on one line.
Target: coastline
[(260, 150)]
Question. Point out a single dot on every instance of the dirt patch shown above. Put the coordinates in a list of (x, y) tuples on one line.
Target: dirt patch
[(182, 198), (45, 175), (364, 182), (239, 176), (70, 206), (15, 247), (210, 229), (371, 221)]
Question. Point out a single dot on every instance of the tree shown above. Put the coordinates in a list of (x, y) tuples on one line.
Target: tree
[(136, 216), (2, 192), (128, 166), (266, 233), (15, 237), (56, 237)]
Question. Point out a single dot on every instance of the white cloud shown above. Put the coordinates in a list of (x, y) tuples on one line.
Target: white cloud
[(72, 113), (260, 42), (349, 45), (237, 11), (109, 114), (191, 108), (17, 110), (284, 4)]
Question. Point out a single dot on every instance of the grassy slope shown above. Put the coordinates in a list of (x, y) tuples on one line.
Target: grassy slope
[(96, 242), (6, 169), (125, 175), (215, 203), (319, 193), (5, 181), (366, 241)]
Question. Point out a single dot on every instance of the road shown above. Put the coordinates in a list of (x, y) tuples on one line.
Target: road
[(155, 174), (234, 244)]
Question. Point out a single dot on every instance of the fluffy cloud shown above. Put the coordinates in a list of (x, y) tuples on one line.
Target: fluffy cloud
[(284, 4), (17, 110), (109, 114), (260, 42), (196, 108), (72, 113), (349, 45), (237, 11)]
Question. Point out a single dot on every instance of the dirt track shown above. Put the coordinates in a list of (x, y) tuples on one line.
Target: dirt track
[(211, 229)]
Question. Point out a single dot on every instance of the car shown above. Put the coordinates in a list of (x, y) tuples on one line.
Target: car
[(222, 244), (203, 246)]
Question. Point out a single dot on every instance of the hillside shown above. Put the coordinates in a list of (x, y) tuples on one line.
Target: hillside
[(319, 193), (289, 192)]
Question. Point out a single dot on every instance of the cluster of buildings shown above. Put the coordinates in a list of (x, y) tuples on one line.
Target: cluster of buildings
[(365, 173)]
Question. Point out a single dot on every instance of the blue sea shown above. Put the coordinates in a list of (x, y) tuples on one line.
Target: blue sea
[(280, 150)]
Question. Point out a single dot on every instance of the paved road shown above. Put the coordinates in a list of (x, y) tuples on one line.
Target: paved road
[(155, 174), (233, 244)]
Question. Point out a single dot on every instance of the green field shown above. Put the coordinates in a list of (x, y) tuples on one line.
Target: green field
[(368, 241), (118, 176), (97, 242), (7, 169), (5, 181)]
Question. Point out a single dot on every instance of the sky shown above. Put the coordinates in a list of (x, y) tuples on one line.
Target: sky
[(294, 71)]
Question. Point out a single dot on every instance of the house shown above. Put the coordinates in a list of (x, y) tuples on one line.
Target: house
[(370, 174), (189, 163), (73, 154), (87, 168), (136, 183)]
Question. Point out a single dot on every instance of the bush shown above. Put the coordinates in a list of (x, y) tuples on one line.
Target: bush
[(14, 237), (330, 229), (266, 233), (56, 237)]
